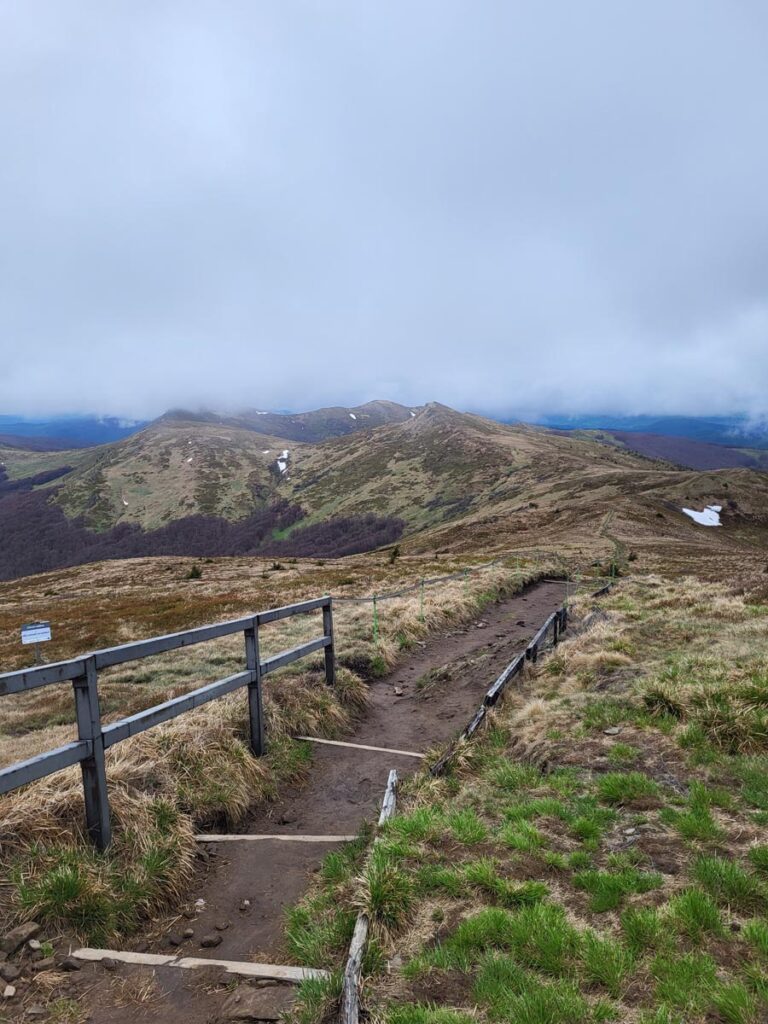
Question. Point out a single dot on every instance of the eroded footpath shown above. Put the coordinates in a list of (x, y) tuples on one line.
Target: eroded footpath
[(236, 904)]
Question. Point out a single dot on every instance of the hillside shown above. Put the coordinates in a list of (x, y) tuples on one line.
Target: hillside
[(316, 425), (438, 478), (684, 451)]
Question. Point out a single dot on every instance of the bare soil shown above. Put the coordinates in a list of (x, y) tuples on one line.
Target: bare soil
[(344, 789)]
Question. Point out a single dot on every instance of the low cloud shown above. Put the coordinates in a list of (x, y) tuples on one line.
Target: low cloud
[(518, 209)]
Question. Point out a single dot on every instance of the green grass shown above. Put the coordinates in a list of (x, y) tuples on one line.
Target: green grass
[(622, 754), (316, 997), (433, 878), (388, 893), (609, 889), (644, 929), (735, 1004), (756, 933), (523, 836), (729, 884), (538, 936), (758, 858), (752, 773), (685, 981), (627, 787), (466, 827), (510, 993), (422, 825), (511, 776), (315, 932), (418, 1013), (695, 914), (607, 962), (483, 874), (695, 823)]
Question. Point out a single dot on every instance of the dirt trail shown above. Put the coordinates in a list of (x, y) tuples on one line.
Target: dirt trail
[(344, 790)]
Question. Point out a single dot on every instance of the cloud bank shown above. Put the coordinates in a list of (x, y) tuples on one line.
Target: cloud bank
[(513, 208)]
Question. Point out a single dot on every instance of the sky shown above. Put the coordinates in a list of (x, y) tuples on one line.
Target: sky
[(515, 208)]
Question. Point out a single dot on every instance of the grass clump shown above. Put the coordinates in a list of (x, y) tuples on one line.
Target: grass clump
[(734, 1003), (684, 982), (609, 889), (643, 928), (695, 914), (606, 961), (418, 1013), (758, 858), (466, 827), (622, 754), (756, 933), (729, 884), (385, 891), (483, 874), (627, 788), (510, 993)]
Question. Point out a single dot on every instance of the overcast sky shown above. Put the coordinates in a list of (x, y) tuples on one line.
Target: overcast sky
[(519, 207)]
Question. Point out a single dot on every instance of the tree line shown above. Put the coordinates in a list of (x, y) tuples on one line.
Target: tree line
[(36, 536)]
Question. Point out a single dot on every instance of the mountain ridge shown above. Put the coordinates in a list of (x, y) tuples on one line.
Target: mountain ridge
[(437, 473)]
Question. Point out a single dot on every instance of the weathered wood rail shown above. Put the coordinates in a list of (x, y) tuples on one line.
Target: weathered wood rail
[(350, 992), (94, 738)]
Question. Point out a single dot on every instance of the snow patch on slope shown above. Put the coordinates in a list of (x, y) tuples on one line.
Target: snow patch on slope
[(709, 517)]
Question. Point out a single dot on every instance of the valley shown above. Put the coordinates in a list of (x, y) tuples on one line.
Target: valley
[(188, 486), (504, 523)]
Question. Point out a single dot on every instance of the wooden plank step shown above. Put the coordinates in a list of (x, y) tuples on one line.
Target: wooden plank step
[(359, 746), (242, 968), (250, 837)]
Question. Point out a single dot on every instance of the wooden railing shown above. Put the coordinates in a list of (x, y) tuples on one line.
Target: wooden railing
[(94, 738)]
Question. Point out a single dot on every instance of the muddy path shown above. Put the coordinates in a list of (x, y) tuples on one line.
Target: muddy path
[(245, 886)]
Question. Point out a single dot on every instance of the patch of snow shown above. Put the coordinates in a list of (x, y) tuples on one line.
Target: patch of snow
[(282, 462), (125, 502), (352, 416), (262, 414), (412, 413), (266, 451), (189, 459), (709, 517)]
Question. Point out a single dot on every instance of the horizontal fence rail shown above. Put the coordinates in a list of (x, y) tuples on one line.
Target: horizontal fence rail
[(94, 738), (555, 624)]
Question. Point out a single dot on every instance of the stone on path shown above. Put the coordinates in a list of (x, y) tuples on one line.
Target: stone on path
[(15, 938), (248, 1003)]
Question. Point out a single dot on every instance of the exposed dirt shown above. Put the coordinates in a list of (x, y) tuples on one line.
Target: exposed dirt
[(344, 790)]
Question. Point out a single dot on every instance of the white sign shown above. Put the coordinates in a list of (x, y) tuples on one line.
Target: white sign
[(35, 632)]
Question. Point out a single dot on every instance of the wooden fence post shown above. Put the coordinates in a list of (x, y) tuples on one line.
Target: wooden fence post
[(93, 767), (330, 656), (255, 709)]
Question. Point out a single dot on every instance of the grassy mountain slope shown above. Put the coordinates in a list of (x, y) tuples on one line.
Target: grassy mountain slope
[(683, 451), (171, 470), (316, 425), (458, 481)]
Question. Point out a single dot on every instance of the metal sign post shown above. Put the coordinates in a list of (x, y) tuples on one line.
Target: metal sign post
[(36, 633)]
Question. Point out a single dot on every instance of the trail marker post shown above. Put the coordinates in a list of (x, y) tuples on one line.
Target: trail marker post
[(36, 633), (255, 707)]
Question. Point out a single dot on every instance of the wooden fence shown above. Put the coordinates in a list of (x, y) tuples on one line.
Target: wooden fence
[(94, 738)]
